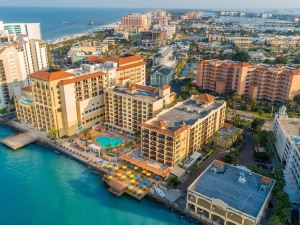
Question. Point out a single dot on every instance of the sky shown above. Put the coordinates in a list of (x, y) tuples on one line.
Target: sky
[(201, 4)]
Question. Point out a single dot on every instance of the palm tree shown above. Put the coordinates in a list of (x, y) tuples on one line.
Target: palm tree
[(52, 133)]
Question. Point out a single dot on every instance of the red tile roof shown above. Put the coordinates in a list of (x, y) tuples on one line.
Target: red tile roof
[(83, 77), (27, 89), (165, 87), (50, 76), (129, 66), (146, 88), (130, 59), (205, 98), (132, 87)]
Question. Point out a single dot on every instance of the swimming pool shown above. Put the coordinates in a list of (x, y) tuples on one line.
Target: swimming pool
[(109, 142)]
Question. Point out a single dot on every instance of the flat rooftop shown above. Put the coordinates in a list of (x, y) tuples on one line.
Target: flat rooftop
[(228, 186), (187, 112), (87, 68), (291, 126), (139, 94)]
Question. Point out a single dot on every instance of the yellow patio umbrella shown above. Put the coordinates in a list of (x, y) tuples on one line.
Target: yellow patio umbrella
[(123, 177), (144, 171), (116, 168), (108, 166), (139, 192), (130, 187), (131, 175), (136, 168), (132, 181), (148, 174), (128, 172), (119, 174), (124, 167), (109, 177)]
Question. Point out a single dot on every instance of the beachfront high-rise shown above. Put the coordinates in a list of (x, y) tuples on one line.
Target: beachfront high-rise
[(176, 133), (128, 105), (69, 101), (31, 30), (17, 60), (272, 83), (136, 22)]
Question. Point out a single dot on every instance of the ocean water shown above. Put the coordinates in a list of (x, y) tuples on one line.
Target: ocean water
[(39, 186), (57, 22)]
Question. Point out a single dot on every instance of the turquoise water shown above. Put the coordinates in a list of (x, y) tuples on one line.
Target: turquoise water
[(57, 22), (109, 142), (41, 187)]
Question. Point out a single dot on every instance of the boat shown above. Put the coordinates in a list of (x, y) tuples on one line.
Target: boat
[(65, 22), (91, 22)]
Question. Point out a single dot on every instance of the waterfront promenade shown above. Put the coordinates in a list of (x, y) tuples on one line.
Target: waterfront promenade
[(63, 146)]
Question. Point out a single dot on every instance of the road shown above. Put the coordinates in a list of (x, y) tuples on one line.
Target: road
[(246, 154), (186, 183)]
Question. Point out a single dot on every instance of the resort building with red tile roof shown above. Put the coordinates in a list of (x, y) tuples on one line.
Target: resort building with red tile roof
[(177, 132), (73, 100)]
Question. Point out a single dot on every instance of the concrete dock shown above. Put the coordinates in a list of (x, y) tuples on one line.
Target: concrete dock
[(19, 140)]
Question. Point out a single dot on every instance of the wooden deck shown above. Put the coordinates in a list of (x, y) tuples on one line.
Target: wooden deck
[(19, 140)]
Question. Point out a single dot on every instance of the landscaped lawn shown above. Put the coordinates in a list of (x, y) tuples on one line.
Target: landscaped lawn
[(294, 115), (262, 115)]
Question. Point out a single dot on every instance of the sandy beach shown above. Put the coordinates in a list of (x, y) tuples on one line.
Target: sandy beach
[(81, 34)]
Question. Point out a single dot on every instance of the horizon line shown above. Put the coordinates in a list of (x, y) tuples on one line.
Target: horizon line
[(116, 7)]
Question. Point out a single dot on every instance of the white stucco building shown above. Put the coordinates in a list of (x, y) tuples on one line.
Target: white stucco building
[(32, 30), (287, 133)]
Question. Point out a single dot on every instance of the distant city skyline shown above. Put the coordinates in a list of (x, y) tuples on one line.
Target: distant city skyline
[(215, 4)]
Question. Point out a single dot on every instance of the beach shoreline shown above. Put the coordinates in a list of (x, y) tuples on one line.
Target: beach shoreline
[(68, 37)]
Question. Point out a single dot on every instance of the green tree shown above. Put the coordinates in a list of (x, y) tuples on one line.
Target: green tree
[(275, 220), (52, 133), (297, 59), (257, 124), (241, 56), (281, 60)]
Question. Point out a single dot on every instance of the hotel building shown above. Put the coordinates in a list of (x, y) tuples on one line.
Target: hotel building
[(16, 62), (287, 134), (256, 81), (231, 195), (31, 30), (136, 22), (73, 100), (175, 133), (128, 105)]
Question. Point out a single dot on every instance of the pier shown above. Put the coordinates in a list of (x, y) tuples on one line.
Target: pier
[(19, 140)]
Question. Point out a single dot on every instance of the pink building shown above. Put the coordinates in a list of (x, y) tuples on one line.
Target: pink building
[(139, 21), (257, 81)]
